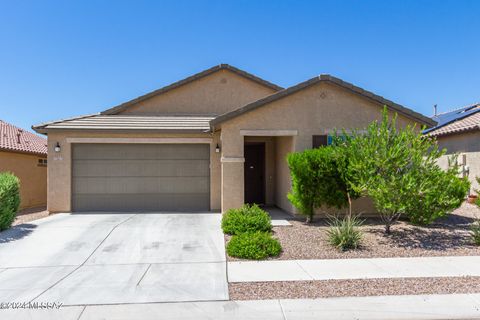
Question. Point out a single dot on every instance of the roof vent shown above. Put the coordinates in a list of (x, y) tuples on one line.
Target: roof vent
[(19, 134)]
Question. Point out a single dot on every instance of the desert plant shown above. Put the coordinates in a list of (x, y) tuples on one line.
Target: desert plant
[(397, 168), (317, 180), (478, 192), (253, 245), (475, 228), (439, 192), (344, 234), (248, 218), (9, 199)]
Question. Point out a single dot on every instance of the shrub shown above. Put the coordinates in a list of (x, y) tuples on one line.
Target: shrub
[(475, 227), (253, 245), (317, 180), (248, 218), (9, 199), (398, 169), (439, 192), (344, 234)]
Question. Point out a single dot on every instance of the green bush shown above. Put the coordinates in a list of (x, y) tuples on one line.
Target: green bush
[(344, 234), (438, 193), (475, 227), (248, 218), (317, 180), (9, 199), (397, 167), (253, 245)]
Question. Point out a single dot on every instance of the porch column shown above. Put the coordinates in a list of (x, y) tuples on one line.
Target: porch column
[(232, 171)]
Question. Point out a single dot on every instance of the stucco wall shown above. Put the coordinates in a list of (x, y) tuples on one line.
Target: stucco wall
[(283, 146), (33, 178), (60, 164), (313, 111), (467, 144), (216, 93)]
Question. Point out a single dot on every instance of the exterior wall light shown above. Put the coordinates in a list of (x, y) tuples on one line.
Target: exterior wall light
[(217, 148), (57, 147)]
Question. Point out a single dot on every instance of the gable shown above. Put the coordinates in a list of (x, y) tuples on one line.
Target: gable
[(329, 80), (218, 92), (315, 110)]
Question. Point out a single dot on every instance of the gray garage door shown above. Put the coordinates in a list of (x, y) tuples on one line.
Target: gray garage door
[(140, 177)]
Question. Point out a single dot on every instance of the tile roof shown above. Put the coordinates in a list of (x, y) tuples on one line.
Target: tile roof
[(468, 122), (445, 118), (13, 138), (183, 123)]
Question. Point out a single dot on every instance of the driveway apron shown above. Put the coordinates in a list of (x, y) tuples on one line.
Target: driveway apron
[(109, 258)]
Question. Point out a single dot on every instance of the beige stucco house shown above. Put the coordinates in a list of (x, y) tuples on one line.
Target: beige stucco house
[(458, 132), (25, 155), (212, 141)]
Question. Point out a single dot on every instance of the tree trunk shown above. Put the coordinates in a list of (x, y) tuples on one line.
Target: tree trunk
[(349, 205), (310, 215), (387, 228)]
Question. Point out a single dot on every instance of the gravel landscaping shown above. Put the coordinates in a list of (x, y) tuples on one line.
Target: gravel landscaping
[(448, 237), (352, 288)]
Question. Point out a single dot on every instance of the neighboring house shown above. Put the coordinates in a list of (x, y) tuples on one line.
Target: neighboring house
[(458, 131), (212, 141), (25, 155)]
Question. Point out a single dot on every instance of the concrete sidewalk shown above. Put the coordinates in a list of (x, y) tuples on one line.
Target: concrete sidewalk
[(455, 306), (331, 269)]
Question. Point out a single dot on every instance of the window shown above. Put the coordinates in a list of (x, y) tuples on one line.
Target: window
[(319, 140), (42, 162), (327, 138)]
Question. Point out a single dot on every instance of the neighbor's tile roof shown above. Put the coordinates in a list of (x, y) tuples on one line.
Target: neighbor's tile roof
[(13, 138), (194, 123), (467, 123)]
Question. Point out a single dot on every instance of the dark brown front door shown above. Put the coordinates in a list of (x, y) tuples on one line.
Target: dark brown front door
[(255, 173)]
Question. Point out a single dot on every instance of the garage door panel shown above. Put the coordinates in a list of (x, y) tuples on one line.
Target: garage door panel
[(138, 185), (141, 151), (143, 202), (142, 168), (144, 177)]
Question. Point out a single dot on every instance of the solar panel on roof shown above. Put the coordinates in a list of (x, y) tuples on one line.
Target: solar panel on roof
[(448, 117)]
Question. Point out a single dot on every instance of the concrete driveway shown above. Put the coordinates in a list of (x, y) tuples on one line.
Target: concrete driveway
[(100, 258)]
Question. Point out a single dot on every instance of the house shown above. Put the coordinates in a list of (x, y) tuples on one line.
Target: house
[(212, 141), (458, 132), (25, 155)]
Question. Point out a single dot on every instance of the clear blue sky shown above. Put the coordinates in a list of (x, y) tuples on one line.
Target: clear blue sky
[(63, 58)]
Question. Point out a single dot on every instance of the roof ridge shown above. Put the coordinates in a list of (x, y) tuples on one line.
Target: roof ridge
[(44, 124)]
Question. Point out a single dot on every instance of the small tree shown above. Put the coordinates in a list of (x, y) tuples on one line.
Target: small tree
[(390, 165), (438, 193), (316, 180)]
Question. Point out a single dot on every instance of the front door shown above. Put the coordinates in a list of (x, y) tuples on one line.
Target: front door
[(254, 173)]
